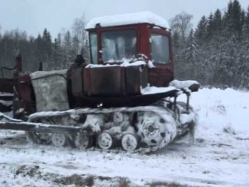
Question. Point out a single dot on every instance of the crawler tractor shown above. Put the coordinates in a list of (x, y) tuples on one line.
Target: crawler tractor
[(124, 97)]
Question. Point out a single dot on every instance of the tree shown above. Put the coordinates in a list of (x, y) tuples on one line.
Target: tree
[(191, 49), (217, 22), (245, 27), (67, 40), (201, 32), (0, 32), (80, 39), (47, 43), (68, 45), (210, 27), (181, 24), (233, 19)]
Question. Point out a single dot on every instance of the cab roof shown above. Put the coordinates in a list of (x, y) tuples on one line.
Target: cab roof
[(128, 19)]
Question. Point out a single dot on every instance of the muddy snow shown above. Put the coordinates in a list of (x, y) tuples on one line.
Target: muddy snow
[(218, 157)]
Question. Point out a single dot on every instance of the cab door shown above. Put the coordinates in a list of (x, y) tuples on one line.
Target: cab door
[(162, 58)]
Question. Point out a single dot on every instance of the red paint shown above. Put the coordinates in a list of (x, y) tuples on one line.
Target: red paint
[(162, 74)]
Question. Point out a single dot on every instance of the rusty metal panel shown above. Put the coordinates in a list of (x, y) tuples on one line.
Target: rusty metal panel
[(77, 81), (6, 85), (161, 75), (24, 88), (135, 77), (105, 81), (87, 81), (115, 80)]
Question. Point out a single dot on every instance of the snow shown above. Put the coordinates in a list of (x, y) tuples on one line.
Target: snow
[(6, 103), (150, 64), (100, 65), (127, 63), (20, 110), (182, 84), (7, 117), (128, 19), (153, 90), (218, 157), (6, 94), (94, 122), (39, 74), (124, 63), (186, 118)]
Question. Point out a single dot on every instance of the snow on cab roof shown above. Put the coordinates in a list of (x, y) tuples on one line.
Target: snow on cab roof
[(128, 19)]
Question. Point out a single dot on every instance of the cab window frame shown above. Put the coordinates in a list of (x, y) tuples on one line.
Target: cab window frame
[(91, 51), (117, 30), (162, 32)]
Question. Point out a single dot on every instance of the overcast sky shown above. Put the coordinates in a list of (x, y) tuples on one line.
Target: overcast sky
[(35, 15)]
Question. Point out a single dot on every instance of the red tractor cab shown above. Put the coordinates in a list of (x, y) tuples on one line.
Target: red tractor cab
[(118, 39)]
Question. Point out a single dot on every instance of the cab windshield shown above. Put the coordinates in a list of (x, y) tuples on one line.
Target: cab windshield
[(118, 45)]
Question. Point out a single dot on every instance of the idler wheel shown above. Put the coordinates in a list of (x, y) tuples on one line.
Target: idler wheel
[(118, 117), (83, 141), (105, 140), (130, 142), (152, 129), (59, 140), (40, 137)]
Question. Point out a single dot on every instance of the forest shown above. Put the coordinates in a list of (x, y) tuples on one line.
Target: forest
[(215, 53), (57, 53)]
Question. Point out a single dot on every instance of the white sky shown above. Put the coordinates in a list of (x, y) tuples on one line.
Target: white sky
[(35, 15)]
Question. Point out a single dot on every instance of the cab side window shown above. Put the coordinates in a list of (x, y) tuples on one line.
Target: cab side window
[(94, 48), (160, 48)]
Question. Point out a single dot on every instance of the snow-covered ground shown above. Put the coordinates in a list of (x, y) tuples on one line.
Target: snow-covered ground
[(218, 157)]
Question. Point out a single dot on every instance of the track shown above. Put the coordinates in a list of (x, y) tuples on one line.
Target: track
[(154, 126)]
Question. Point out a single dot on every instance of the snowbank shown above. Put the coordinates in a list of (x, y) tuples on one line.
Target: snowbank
[(218, 158), (220, 111)]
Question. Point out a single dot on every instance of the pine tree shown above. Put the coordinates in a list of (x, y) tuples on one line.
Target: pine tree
[(245, 28), (191, 48), (233, 19), (210, 27), (68, 46), (176, 44), (47, 42), (200, 32), (237, 17), (217, 22), (59, 40), (76, 45), (39, 48), (67, 40)]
